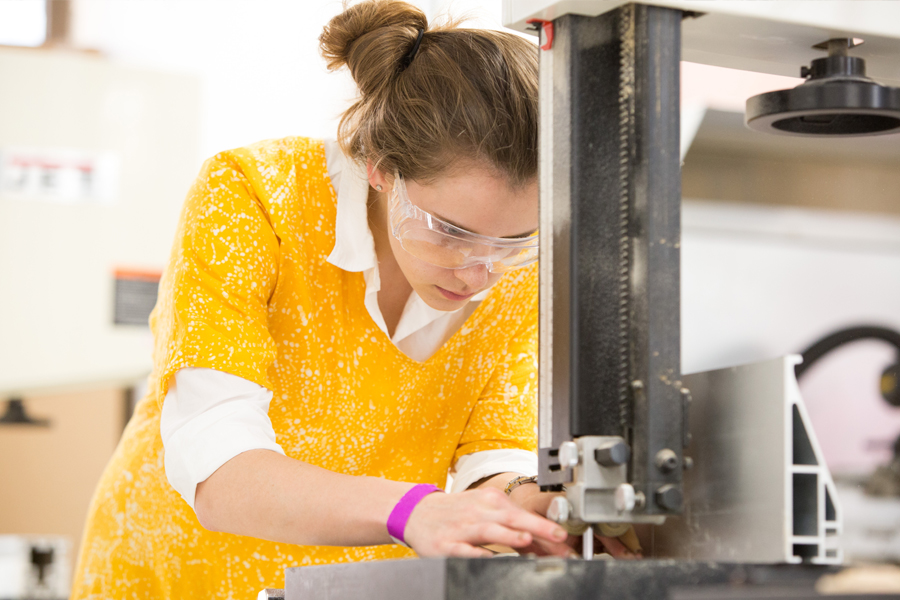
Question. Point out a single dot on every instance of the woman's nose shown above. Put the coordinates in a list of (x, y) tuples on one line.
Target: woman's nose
[(475, 277)]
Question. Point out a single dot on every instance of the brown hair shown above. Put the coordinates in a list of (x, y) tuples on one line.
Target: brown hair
[(468, 94)]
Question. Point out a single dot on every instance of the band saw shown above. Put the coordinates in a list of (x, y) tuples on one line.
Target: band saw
[(722, 466)]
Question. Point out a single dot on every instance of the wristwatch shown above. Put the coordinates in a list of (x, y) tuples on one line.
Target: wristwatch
[(520, 480)]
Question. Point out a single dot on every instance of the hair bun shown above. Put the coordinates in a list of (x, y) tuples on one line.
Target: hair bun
[(371, 26), (468, 96)]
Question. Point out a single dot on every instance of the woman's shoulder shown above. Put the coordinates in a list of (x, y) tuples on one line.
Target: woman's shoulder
[(282, 183), (272, 156), (283, 175)]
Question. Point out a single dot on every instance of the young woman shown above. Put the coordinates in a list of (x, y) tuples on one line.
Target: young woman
[(340, 325)]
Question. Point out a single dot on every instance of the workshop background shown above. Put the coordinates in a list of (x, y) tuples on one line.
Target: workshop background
[(107, 114)]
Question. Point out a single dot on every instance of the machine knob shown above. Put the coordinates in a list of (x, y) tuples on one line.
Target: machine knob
[(666, 460), (559, 510), (612, 454), (568, 455), (669, 497), (625, 498)]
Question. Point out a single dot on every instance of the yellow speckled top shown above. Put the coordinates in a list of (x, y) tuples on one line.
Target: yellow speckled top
[(248, 291)]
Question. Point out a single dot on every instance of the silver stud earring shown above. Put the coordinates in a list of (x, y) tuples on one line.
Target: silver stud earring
[(378, 187)]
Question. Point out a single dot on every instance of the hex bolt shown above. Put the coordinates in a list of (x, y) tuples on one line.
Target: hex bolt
[(612, 454), (669, 497), (568, 455), (666, 460), (688, 463)]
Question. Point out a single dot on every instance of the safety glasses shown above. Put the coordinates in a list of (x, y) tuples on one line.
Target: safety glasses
[(444, 245)]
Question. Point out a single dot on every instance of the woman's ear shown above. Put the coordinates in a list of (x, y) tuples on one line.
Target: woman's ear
[(377, 179)]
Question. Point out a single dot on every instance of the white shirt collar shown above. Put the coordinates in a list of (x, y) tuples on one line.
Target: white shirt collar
[(354, 251), (354, 246)]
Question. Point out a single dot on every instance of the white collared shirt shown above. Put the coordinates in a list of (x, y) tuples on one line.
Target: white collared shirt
[(209, 416)]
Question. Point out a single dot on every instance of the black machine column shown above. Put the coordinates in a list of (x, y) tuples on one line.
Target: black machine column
[(610, 235)]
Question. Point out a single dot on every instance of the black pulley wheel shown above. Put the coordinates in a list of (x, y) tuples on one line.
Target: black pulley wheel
[(838, 108), (837, 100)]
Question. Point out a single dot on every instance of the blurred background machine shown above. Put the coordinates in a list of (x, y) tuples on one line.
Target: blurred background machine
[(872, 502), (34, 567), (95, 159), (723, 464)]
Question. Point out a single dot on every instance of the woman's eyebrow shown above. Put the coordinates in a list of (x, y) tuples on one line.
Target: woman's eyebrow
[(505, 237)]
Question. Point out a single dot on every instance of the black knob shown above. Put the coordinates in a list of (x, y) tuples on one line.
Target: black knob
[(669, 497), (612, 454)]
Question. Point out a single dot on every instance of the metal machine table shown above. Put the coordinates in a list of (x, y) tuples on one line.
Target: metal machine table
[(552, 578)]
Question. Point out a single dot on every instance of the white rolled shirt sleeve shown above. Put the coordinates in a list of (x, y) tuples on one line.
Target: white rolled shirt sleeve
[(208, 418), (478, 465)]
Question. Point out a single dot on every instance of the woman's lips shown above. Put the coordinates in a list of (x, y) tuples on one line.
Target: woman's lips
[(451, 296)]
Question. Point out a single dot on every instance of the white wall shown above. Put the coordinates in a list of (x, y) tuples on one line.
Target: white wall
[(760, 282), (58, 254), (260, 73), (258, 62)]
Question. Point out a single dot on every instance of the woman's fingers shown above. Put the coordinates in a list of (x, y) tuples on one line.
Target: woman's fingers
[(540, 503), (523, 520), (444, 523), (466, 551), (631, 541), (615, 548), (495, 533), (544, 548), (458, 524), (626, 545)]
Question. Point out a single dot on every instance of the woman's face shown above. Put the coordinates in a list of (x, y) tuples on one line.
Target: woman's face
[(477, 200)]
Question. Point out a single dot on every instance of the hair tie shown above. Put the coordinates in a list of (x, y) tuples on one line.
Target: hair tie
[(405, 62)]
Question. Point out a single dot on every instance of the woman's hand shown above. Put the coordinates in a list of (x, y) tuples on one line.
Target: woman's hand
[(530, 497), (457, 524), (625, 545)]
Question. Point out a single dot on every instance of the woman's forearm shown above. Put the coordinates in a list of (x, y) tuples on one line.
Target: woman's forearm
[(263, 494)]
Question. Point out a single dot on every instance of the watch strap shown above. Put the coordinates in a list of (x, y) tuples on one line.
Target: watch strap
[(517, 481)]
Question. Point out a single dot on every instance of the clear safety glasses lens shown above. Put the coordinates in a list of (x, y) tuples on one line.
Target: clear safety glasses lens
[(444, 245)]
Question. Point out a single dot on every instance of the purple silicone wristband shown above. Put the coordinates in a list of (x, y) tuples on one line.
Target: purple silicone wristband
[(396, 523)]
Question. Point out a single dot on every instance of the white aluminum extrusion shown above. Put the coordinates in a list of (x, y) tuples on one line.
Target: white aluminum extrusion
[(759, 491)]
